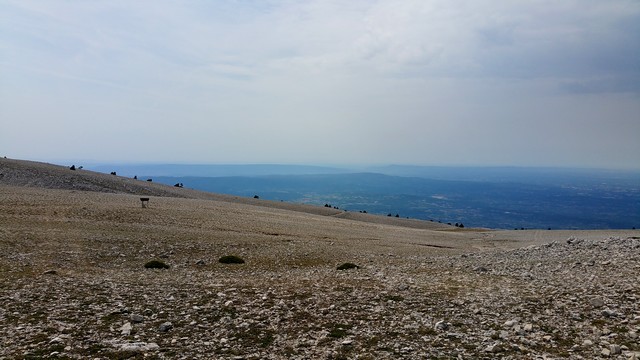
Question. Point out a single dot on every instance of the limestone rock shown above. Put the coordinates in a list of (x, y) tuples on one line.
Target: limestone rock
[(139, 347), (615, 349), (166, 326), (597, 302), (494, 348), (441, 325), (126, 329), (136, 318)]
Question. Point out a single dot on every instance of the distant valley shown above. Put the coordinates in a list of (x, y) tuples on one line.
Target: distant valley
[(501, 198)]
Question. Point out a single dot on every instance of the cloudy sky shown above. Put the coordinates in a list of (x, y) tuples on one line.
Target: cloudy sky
[(426, 82)]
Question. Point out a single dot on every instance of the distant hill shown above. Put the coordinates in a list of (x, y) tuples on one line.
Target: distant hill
[(502, 198), (514, 174), (49, 176), (203, 170), (37, 174)]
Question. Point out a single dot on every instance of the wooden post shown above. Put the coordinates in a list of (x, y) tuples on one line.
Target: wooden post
[(145, 202)]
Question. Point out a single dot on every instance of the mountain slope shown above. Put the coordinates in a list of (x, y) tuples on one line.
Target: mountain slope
[(48, 176), (73, 283)]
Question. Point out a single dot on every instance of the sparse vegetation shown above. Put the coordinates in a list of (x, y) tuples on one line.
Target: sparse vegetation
[(347, 266), (231, 259), (156, 264)]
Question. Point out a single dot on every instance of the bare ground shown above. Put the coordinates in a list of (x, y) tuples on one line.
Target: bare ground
[(73, 282)]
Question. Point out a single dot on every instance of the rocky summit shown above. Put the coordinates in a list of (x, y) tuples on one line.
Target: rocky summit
[(73, 281)]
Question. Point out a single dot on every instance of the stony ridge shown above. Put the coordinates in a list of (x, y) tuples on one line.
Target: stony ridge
[(42, 175)]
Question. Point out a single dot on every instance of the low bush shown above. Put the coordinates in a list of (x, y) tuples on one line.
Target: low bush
[(347, 266), (231, 259), (156, 264)]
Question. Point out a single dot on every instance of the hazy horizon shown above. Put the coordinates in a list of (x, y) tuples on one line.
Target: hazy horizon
[(412, 82), (92, 164), (88, 163)]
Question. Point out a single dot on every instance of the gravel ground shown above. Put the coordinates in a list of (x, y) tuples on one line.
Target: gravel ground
[(73, 283)]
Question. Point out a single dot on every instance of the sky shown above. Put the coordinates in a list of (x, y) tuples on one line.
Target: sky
[(423, 82)]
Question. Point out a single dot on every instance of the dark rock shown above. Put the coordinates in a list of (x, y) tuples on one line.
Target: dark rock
[(135, 318), (166, 326)]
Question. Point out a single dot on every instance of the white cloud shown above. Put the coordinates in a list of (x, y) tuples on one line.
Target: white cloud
[(323, 81)]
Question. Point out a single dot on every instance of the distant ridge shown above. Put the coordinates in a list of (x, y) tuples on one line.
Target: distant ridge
[(204, 170), (500, 174), (24, 173), (44, 175), (496, 198)]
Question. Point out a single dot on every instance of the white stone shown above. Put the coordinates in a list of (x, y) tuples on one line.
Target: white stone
[(441, 325), (139, 346), (510, 323), (126, 329), (495, 347), (615, 349)]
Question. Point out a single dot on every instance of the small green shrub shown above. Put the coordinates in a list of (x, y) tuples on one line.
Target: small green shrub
[(347, 266), (156, 264), (231, 259)]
